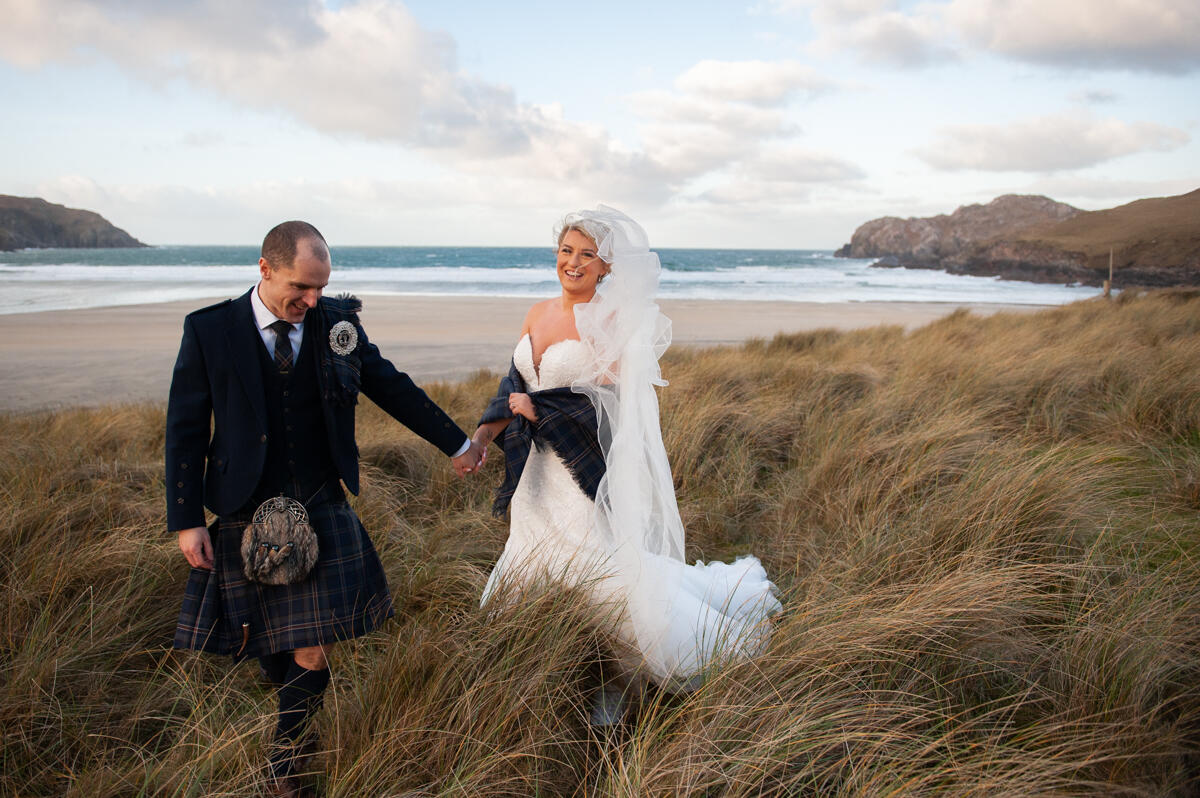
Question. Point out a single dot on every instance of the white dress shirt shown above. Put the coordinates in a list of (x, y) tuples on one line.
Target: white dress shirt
[(264, 318)]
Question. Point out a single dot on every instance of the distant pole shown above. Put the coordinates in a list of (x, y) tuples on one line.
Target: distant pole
[(1108, 282)]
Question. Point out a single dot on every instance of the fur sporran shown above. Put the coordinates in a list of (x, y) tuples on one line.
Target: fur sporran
[(279, 547)]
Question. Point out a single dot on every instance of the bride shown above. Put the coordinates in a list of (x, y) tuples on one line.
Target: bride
[(588, 486)]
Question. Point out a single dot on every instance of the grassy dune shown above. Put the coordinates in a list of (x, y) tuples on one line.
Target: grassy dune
[(985, 533)]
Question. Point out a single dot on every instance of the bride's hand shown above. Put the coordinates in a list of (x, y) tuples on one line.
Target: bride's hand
[(521, 405)]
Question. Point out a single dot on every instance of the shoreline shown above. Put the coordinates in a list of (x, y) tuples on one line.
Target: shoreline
[(58, 359)]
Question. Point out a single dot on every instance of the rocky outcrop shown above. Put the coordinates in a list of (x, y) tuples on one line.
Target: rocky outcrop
[(1153, 242), (927, 242), (29, 222)]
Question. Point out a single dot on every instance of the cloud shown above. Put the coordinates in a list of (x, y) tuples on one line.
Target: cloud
[(366, 69), (877, 30), (1141, 35), (1149, 35), (763, 83), (721, 115), (781, 175), (1096, 97), (795, 165), (688, 136), (1046, 144), (369, 70), (359, 210)]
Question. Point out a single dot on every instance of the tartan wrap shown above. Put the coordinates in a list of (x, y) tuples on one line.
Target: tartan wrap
[(566, 423), (341, 375), (345, 595)]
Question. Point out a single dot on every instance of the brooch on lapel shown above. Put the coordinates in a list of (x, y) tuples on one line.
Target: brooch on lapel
[(343, 338)]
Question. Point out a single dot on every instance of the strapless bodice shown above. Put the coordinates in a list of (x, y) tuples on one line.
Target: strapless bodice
[(563, 363)]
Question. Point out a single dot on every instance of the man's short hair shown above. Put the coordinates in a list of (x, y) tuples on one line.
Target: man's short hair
[(279, 247)]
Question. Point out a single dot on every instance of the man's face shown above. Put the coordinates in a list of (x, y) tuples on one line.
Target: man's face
[(290, 292)]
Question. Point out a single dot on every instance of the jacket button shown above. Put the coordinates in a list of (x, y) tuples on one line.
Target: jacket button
[(179, 484), (183, 466), (179, 500), (446, 425), (427, 404), (263, 439)]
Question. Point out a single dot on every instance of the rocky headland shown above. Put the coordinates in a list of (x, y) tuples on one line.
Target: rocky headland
[(33, 223), (1154, 242)]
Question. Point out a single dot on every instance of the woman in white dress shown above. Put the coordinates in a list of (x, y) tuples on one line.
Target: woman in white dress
[(592, 502)]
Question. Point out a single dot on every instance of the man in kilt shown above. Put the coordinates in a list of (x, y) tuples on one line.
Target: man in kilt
[(262, 406)]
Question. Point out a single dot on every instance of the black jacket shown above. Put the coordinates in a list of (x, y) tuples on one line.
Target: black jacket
[(218, 385)]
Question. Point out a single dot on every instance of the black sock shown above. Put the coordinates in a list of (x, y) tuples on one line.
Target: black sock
[(275, 666), (299, 699)]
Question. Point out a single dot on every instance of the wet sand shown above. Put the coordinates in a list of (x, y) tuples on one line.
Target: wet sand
[(99, 356)]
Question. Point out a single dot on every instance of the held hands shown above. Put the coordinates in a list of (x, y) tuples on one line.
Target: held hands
[(521, 405), (197, 547), (474, 458), (471, 460)]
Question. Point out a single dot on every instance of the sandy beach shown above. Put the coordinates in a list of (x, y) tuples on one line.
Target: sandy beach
[(99, 356)]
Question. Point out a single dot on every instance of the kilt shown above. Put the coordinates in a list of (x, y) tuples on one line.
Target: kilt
[(344, 596)]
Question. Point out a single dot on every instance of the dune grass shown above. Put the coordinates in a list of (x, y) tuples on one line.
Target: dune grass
[(985, 532)]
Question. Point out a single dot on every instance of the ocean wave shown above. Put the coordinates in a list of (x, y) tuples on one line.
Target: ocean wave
[(65, 279)]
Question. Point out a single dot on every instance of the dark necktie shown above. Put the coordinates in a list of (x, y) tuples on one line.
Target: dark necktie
[(283, 346)]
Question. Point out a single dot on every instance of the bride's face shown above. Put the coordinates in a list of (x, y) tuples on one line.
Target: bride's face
[(579, 267)]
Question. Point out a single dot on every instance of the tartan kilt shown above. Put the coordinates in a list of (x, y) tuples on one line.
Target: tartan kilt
[(344, 596)]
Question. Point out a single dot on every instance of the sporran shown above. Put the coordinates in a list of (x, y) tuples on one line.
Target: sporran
[(279, 546)]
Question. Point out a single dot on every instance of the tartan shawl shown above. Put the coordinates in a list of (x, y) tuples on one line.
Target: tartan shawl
[(566, 423), (340, 374)]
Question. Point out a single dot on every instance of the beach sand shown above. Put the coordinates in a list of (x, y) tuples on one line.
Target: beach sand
[(99, 356)]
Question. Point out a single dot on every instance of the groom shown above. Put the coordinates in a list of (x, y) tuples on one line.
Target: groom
[(275, 376)]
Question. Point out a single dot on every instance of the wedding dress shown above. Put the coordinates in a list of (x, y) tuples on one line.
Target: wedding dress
[(673, 619)]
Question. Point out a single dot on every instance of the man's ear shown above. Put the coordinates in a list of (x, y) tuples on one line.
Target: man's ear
[(264, 269)]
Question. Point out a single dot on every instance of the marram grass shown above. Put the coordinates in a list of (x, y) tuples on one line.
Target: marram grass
[(986, 533)]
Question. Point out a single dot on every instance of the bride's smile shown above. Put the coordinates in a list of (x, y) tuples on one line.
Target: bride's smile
[(580, 269)]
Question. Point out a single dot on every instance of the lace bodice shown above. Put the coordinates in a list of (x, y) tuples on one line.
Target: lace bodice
[(563, 362)]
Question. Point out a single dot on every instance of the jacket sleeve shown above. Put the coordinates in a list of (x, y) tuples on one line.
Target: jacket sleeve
[(189, 416), (400, 398)]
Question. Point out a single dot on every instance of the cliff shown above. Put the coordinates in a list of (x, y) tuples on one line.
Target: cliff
[(29, 222), (1155, 242)]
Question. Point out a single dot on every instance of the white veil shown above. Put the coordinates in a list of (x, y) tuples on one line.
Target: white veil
[(636, 514)]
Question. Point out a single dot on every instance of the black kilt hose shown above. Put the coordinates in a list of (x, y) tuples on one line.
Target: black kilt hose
[(344, 596)]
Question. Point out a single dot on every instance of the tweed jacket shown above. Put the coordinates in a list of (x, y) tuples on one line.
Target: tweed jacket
[(216, 432)]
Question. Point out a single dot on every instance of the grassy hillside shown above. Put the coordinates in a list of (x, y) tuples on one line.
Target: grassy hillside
[(985, 533), (1158, 234), (33, 222)]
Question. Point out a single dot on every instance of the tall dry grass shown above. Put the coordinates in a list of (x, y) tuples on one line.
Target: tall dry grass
[(985, 532)]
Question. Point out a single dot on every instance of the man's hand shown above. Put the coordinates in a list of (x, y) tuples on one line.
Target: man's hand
[(197, 547), (471, 460)]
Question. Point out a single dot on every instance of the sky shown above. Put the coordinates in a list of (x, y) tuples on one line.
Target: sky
[(760, 124)]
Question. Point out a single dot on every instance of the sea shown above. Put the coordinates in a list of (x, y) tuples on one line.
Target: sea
[(62, 279)]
